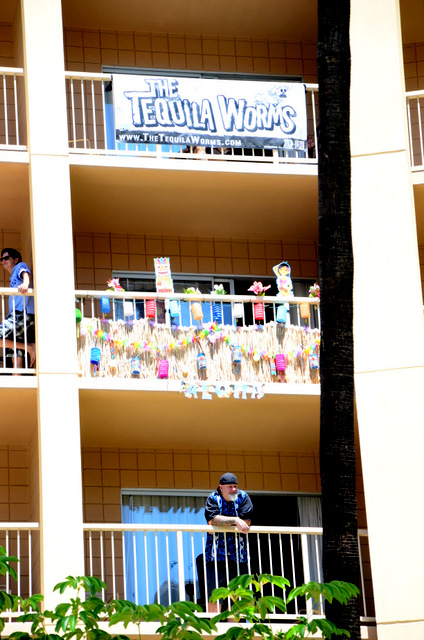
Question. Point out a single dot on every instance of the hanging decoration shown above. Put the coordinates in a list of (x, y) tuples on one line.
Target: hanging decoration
[(150, 307), (284, 281), (105, 305), (227, 351), (305, 311), (135, 367), (163, 369), (95, 359)]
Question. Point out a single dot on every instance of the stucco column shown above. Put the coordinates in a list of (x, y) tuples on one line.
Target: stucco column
[(51, 227), (389, 330)]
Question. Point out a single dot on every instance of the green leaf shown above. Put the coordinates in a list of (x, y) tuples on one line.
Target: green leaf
[(328, 628), (278, 581), (241, 581)]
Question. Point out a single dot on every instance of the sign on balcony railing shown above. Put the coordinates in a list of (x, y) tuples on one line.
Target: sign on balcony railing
[(209, 112)]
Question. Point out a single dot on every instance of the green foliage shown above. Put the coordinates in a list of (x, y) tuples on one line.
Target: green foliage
[(248, 603), (5, 566), (80, 617)]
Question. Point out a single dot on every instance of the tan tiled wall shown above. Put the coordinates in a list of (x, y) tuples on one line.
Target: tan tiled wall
[(6, 46), (97, 255), (413, 62), (89, 50), (14, 484), (107, 471), (421, 254)]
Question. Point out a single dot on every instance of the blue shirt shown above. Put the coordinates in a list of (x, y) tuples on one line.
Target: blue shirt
[(227, 544), (16, 278)]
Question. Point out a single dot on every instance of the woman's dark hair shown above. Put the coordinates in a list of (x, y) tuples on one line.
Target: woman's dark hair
[(13, 253)]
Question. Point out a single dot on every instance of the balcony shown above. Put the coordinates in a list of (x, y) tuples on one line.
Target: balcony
[(89, 134), (21, 539), (199, 344), (12, 109), (165, 563), (21, 334)]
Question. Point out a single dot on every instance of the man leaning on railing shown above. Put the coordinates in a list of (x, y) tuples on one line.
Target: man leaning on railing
[(226, 553), (17, 329)]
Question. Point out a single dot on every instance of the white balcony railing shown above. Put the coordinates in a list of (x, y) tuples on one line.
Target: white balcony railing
[(20, 539), (12, 109), (90, 128), (165, 563), (16, 334), (235, 345)]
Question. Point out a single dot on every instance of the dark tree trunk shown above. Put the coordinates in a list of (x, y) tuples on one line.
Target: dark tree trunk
[(337, 446)]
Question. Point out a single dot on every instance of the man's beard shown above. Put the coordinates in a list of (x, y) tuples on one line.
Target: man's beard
[(232, 497)]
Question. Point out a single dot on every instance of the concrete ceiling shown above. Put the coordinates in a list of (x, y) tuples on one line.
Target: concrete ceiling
[(292, 20), (194, 203), (158, 420)]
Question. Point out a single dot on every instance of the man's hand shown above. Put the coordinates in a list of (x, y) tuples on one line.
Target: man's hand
[(242, 525)]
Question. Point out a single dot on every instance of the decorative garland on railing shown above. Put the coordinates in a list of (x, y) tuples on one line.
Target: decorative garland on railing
[(213, 351)]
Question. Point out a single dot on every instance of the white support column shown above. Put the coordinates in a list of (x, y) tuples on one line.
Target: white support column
[(389, 336), (62, 551)]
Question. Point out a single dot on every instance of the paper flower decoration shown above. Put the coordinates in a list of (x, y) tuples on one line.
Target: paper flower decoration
[(219, 290), (258, 288), (113, 284), (314, 291), (191, 290)]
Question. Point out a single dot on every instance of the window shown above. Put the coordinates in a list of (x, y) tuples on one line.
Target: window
[(145, 282), (151, 562)]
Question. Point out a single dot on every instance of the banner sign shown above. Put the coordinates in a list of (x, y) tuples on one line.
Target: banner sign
[(164, 282), (237, 390), (210, 113)]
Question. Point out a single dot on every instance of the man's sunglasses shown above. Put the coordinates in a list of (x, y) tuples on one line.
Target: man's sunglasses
[(4, 258)]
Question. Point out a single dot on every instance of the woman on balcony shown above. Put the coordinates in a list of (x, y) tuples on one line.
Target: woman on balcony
[(17, 329)]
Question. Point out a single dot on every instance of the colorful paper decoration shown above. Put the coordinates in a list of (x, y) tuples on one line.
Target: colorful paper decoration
[(128, 308), (238, 310), (313, 361), (217, 312), (282, 314), (201, 361), (259, 311), (163, 369), (284, 282), (135, 367), (202, 365), (164, 282), (197, 311), (236, 356), (105, 305), (95, 359), (280, 364), (78, 318), (174, 308), (150, 306), (305, 311)]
